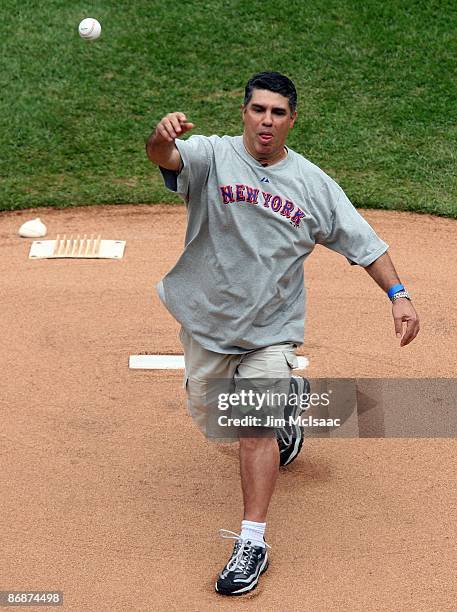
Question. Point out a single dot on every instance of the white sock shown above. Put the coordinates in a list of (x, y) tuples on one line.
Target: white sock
[(250, 530)]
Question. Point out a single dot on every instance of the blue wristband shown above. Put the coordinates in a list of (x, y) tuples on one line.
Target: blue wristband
[(395, 289)]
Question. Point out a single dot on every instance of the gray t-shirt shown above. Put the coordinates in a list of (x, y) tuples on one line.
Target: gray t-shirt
[(239, 284)]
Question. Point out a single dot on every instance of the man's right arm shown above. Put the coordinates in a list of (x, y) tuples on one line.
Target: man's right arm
[(160, 146)]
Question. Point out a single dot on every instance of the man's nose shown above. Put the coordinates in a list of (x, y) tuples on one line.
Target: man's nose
[(267, 119)]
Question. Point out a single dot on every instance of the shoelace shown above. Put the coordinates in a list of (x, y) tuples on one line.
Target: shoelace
[(285, 437), (243, 557)]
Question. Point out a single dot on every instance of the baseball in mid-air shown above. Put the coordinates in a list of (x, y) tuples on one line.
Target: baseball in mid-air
[(89, 29)]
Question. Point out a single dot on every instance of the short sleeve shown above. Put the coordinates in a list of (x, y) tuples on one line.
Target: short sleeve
[(351, 235), (196, 158)]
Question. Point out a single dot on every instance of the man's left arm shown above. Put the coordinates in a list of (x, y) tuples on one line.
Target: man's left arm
[(405, 317)]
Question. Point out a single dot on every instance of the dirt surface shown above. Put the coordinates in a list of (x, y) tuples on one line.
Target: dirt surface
[(110, 494)]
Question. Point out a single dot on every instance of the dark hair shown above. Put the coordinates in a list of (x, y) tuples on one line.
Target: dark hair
[(272, 81)]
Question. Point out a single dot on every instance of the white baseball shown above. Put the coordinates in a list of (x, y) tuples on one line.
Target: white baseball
[(89, 29)]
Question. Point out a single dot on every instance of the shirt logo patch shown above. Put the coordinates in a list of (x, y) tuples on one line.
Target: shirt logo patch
[(264, 179)]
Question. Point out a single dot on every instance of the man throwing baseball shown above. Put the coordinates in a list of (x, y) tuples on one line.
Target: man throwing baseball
[(256, 209)]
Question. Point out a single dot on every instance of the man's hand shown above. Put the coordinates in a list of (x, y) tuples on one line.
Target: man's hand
[(160, 146), (403, 313), (382, 271), (172, 126)]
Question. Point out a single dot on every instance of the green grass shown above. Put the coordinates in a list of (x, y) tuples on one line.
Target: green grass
[(376, 84)]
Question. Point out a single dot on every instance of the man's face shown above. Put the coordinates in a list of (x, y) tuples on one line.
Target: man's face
[(267, 120)]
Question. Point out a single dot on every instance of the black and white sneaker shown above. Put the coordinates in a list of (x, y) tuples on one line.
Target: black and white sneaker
[(290, 437), (242, 572)]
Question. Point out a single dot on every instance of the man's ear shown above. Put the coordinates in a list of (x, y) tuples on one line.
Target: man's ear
[(293, 117)]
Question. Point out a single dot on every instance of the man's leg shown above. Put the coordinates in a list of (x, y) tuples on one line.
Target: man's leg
[(259, 454), (259, 466)]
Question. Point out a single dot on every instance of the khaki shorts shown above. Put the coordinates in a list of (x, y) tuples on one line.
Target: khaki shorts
[(202, 367)]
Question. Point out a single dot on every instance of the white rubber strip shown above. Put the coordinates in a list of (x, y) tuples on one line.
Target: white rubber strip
[(175, 362)]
